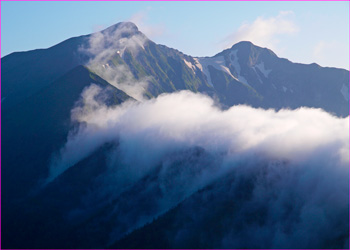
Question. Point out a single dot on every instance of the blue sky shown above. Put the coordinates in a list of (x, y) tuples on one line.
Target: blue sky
[(303, 32)]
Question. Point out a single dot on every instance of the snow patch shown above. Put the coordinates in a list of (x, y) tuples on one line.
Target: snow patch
[(216, 62), (345, 92), (261, 67), (237, 67), (190, 65), (105, 66), (258, 75), (121, 52), (197, 63)]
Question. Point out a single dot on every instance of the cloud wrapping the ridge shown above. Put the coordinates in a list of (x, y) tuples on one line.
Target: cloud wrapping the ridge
[(111, 43), (104, 44), (264, 31), (187, 119), (194, 143)]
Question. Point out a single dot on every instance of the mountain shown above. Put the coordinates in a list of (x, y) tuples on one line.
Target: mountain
[(25, 73), (243, 74), (36, 127), (225, 214), (277, 82), (86, 206)]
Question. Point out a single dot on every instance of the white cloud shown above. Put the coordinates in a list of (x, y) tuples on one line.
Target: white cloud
[(113, 42), (104, 44), (331, 53), (185, 119), (320, 49), (189, 142), (150, 30), (264, 31)]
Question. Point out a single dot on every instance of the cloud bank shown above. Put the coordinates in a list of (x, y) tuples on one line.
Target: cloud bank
[(190, 142)]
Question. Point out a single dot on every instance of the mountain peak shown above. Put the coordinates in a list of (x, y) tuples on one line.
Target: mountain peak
[(128, 25), (125, 27), (243, 44), (248, 46), (247, 49), (250, 51)]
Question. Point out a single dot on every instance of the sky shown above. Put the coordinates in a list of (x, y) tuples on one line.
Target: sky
[(303, 32)]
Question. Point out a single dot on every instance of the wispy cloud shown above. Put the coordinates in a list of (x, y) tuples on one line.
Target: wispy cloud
[(320, 49), (142, 21), (331, 52), (111, 43), (264, 31)]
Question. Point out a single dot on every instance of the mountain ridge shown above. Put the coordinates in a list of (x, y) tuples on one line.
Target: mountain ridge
[(243, 74), (95, 201), (49, 111)]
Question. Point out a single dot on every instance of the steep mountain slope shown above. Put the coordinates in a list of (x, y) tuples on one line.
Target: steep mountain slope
[(25, 73), (92, 216), (122, 55), (251, 209), (35, 128), (52, 206), (32, 131), (91, 204), (243, 74), (279, 82)]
